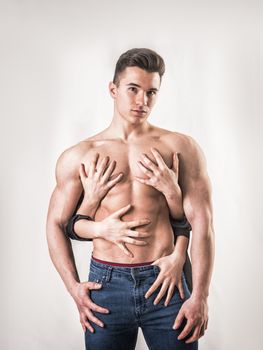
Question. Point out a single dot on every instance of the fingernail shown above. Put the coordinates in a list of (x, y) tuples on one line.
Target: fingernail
[(97, 285)]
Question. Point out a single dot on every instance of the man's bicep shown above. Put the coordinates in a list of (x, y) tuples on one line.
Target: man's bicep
[(197, 202), (195, 183), (64, 201), (67, 191)]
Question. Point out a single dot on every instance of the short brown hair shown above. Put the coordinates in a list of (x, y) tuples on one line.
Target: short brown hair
[(146, 59)]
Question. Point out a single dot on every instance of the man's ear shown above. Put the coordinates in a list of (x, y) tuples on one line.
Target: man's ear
[(112, 89)]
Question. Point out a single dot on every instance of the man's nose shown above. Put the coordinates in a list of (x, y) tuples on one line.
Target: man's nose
[(141, 98)]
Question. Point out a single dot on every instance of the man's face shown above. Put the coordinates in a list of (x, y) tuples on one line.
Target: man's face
[(136, 94)]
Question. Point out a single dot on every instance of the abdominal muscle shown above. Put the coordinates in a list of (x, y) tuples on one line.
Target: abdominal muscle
[(146, 203)]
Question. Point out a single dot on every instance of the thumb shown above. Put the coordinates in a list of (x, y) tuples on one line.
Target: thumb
[(175, 161), (121, 212), (156, 262)]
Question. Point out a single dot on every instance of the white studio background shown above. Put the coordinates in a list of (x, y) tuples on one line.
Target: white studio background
[(57, 58)]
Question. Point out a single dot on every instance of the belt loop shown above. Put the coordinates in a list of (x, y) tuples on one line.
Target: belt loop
[(108, 273)]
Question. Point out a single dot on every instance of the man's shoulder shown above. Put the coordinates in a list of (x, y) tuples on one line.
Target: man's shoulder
[(77, 150), (179, 140), (75, 153), (69, 160)]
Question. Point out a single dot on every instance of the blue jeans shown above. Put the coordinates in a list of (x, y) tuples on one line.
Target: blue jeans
[(122, 292)]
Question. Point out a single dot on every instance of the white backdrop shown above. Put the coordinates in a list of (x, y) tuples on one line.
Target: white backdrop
[(57, 58)]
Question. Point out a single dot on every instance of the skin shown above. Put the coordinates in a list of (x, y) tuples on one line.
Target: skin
[(128, 137), (96, 184)]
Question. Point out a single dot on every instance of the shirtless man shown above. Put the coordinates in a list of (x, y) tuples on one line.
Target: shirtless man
[(140, 150)]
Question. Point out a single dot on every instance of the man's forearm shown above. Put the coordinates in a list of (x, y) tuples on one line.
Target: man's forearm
[(202, 255), (61, 254)]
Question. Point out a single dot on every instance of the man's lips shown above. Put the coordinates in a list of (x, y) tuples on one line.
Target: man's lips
[(138, 111)]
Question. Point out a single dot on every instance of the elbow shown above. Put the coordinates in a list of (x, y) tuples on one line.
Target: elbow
[(54, 226)]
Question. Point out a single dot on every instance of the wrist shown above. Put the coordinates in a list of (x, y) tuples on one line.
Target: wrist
[(179, 256), (199, 295), (88, 208), (98, 229), (173, 192), (94, 201), (72, 287)]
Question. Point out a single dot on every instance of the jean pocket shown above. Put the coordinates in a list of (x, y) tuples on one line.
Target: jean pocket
[(101, 276)]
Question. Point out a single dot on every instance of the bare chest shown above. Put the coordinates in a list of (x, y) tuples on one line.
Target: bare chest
[(127, 156)]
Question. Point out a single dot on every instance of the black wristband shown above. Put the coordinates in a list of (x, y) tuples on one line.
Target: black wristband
[(181, 227), (70, 227)]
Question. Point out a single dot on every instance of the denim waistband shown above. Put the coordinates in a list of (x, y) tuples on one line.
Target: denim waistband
[(121, 264), (108, 266)]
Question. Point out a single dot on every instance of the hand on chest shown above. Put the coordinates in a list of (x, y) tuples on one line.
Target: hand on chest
[(128, 156)]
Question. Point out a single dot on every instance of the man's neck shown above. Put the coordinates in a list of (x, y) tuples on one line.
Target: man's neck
[(126, 131)]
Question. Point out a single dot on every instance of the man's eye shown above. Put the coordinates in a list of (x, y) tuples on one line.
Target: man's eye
[(133, 88), (151, 93)]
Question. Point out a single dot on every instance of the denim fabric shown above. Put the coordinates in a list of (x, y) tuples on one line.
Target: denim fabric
[(122, 292)]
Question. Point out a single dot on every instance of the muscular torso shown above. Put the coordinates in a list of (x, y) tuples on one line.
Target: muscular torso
[(146, 201)]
